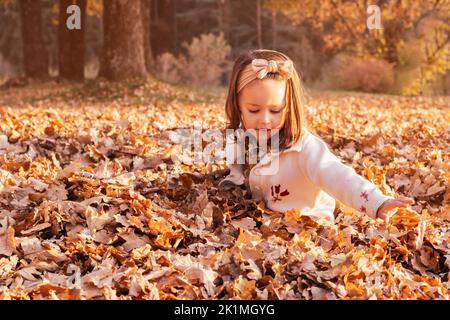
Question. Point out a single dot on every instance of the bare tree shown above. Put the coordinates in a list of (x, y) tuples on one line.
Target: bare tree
[(71, 42), (224, 18), (164, 27), (146, 16), (258, 24), (35, 56), (274, 29), (123, 49)]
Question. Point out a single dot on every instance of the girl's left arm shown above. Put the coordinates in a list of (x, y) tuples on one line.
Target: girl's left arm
[(342, 182)]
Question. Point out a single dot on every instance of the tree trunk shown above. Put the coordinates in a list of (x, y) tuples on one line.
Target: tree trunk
[(146, 14), (274, 30), (34, 52), (71, 42), (163, 23), (123, 49), (258, 24), (224, 19), (175, 27)]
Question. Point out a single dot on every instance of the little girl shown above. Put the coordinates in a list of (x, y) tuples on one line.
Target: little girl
[(265, 95)]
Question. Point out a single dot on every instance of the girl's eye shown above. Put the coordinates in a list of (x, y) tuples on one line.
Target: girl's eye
[(253, 111), (276, 111)]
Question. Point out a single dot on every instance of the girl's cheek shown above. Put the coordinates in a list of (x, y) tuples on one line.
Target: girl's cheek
[(283, 119), (280, 122), (248, 120)]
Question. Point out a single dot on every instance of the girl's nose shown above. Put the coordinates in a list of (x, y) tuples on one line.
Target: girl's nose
[(265, 119)]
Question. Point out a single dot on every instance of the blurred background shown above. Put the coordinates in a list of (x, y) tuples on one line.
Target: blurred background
[(194, 42)]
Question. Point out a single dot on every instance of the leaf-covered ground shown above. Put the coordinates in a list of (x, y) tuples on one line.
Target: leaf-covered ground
[(87, 184)]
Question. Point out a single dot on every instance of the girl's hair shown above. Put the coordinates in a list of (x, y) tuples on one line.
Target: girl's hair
[(294, 97)]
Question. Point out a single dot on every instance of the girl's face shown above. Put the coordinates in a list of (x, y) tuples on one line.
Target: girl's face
[(262, 105)]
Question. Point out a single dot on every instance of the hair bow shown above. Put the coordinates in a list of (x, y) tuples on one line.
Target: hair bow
[(259, 68), (262, 67)]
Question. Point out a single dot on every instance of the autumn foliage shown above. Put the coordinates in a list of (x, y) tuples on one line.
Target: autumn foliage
[(87, 183)]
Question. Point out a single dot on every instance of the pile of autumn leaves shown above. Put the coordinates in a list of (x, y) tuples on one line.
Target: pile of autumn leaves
[(93, 207)]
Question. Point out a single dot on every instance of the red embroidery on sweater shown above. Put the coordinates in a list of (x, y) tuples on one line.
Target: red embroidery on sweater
[(276, 195), (364, 195), (277, 189), (363, 209)]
